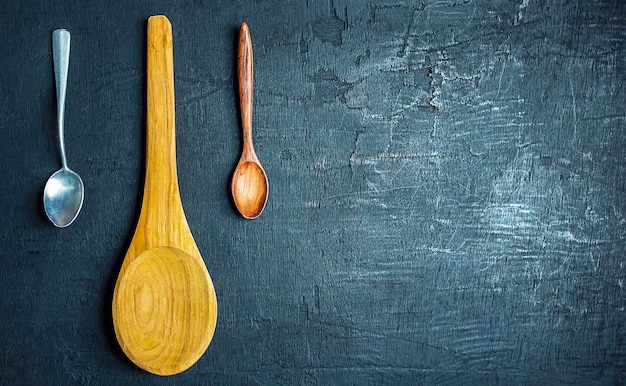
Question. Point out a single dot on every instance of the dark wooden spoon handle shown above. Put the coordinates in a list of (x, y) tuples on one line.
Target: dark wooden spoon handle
[(245, 72)]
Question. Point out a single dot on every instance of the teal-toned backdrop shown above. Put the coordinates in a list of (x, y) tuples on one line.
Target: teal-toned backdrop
[(447, 190)]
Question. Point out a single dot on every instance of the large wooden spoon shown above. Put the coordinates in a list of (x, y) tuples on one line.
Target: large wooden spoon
[(249, 184), (164, 304)]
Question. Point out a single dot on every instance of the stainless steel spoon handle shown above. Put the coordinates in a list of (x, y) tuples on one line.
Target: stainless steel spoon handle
[(61, 58)]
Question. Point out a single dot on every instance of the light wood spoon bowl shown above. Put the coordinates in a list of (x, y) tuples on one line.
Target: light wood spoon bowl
[(164, 303), (249, 185)]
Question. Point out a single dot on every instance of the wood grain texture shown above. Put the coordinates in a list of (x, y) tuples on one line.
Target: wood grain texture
[(249, 184), (164, 304), (163, 314), (448, 191)]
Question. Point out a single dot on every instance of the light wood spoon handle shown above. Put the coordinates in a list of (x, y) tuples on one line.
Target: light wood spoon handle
[(162, 219), (160, 123)]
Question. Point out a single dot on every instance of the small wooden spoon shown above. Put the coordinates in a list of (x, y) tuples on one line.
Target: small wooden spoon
[(249, 185), (164, 303)]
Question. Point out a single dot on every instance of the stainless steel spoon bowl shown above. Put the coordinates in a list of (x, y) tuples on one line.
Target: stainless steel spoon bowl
[(64, 192)]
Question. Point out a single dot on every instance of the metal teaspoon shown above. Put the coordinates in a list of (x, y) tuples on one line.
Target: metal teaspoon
[(64, 191)]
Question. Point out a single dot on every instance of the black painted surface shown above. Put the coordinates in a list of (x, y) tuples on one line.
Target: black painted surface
[(447, 190)]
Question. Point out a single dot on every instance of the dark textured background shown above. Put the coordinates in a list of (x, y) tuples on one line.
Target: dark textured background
[(447, 205)]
